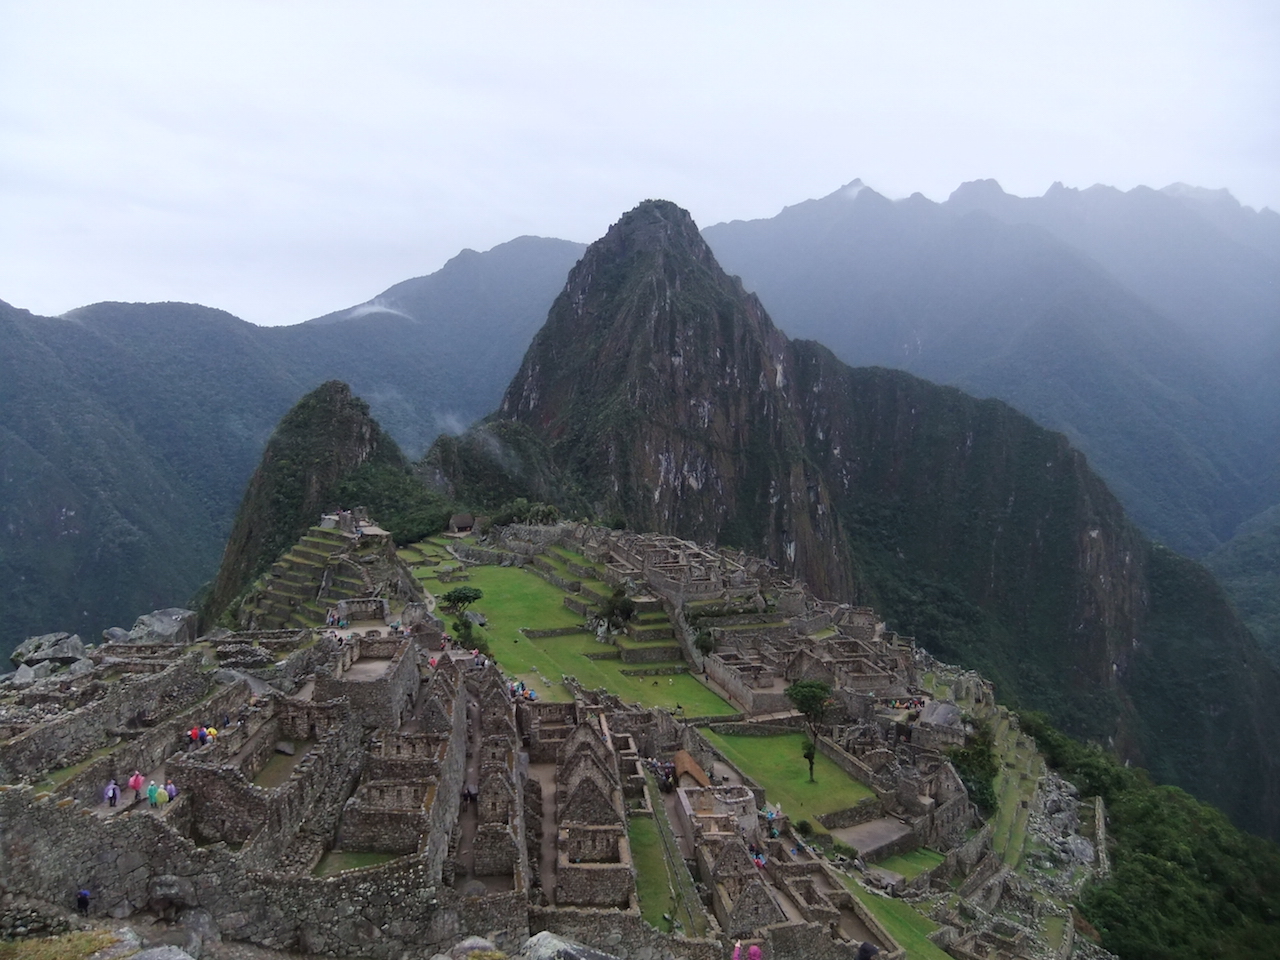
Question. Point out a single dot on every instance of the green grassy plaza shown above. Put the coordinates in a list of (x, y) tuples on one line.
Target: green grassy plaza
[(777, 763), (515, 598)]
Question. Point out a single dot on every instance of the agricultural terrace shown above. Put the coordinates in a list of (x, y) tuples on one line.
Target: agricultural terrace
[(516, 598)]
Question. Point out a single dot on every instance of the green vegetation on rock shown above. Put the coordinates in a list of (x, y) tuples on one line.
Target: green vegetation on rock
[(1184, 881)]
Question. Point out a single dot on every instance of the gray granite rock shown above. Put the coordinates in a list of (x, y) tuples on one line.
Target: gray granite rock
[(171, 626), (58, 647), (115, 635), (547, 946), (81, 667)]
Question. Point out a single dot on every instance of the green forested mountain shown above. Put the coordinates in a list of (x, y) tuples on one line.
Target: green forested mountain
[(661, 390), (129, 430), (1248, 566), (324, 439)]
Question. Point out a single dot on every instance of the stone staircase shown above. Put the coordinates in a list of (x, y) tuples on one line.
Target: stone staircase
[(311, 577)]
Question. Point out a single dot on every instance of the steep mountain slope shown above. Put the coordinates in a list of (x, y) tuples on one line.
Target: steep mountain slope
[(320, 442), (662, 390), (1248, 566), (1049, 304), (128, 431)]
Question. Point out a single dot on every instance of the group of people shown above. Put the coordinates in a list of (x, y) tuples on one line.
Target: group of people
[(519, 691), (200, 734), (157, 794)]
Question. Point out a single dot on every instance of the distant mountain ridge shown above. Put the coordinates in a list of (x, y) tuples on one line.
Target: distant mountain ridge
[(129, 431), (1092, 311), (660, 389)]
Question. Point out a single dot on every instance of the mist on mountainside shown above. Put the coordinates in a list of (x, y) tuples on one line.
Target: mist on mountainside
[(129, 431)]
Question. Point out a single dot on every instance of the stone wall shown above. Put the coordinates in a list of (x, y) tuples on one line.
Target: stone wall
[(72, 736), (386, 817), (871, 808), (50, 848), (384, 700), (151, 747)]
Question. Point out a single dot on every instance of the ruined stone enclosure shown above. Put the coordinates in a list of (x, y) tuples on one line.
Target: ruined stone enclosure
[(359, 799)]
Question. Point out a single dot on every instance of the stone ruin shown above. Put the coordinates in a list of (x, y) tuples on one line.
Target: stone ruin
[(474, 813)]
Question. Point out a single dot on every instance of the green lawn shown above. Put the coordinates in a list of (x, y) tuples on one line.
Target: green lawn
[(912, 864), (653, 882), (778, 765), (909, 928), (334, 862), (515, 598)]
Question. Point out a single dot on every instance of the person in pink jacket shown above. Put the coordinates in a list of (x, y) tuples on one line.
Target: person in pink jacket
[(753, 952)]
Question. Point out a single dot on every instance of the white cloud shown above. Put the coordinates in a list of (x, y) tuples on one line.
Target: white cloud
[(281, 160)]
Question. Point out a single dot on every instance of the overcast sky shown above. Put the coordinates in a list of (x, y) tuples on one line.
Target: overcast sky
[(282, 160)]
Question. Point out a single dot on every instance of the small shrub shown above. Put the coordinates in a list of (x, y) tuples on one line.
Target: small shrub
[(804, 828)]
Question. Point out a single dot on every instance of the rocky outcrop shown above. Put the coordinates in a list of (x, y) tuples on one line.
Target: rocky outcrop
[(172, 626), (61, 648)]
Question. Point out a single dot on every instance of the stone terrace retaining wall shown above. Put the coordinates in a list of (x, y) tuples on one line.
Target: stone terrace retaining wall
[(72, 736), (871, 808), (51, 848), (152, 747)]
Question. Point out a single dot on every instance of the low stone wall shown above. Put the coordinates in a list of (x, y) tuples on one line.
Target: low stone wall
[(552, 632), (849, 764), (872, 808), (650, 653), (548, 573), (481, 556), (579, 606), (755, 729), (72, 736), (655, 671)]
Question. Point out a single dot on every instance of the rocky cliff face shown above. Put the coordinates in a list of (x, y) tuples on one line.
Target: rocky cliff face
[(326, 436), (664, 392), (664, 387)]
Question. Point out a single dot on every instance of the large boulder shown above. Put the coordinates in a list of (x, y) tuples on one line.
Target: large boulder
[(58, 647), (115, 635), (171, 626), (547, 946)]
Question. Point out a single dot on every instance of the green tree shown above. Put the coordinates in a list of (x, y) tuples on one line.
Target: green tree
[(810, 697), (459, 598), (617, 609)]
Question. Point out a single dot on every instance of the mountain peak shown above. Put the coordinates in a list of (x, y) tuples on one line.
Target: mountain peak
[(977, 193)]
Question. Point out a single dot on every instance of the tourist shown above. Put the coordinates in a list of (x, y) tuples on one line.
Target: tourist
[(82, 901), (162, 796), (135, 784), (203, 734), (112, 793), (152, 791), (212, 734), (170, 789), (867, 950)]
